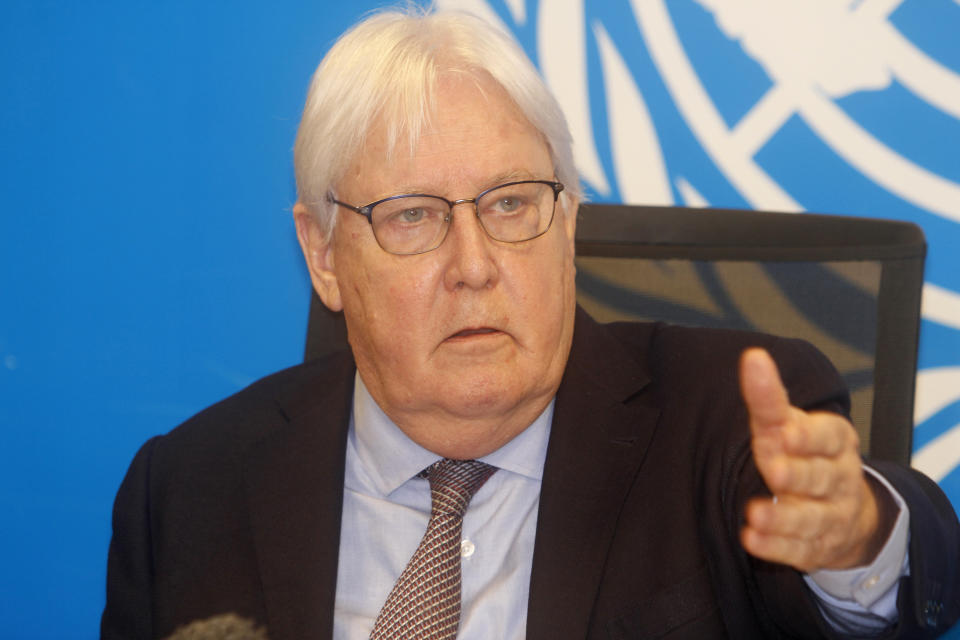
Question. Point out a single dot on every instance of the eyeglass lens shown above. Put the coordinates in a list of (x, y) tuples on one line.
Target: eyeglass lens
[(510, 213)]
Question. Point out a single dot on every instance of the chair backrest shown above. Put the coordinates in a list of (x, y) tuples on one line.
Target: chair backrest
[(851, 286)]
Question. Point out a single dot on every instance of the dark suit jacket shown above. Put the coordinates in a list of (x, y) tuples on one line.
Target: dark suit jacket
[(647, 470)]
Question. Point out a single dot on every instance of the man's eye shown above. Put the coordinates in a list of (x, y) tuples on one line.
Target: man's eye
[(412, 215), (507, 204)]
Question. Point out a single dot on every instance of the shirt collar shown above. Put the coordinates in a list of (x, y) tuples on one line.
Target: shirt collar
[(389, 458)]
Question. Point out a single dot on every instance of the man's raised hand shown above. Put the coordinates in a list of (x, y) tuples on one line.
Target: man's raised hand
[(824, 514)]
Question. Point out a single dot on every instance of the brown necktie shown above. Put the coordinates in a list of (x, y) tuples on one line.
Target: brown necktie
[(425, 601)]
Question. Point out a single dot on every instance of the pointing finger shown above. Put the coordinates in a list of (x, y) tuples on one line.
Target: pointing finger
[(765, 396)]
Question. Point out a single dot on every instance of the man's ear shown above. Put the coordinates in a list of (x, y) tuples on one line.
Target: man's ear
[(569, 220), (318, 252)]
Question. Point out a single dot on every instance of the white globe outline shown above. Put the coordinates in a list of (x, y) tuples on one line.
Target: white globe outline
[(641, 174)]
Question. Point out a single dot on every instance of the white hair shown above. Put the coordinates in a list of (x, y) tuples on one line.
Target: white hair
[(385, 69)]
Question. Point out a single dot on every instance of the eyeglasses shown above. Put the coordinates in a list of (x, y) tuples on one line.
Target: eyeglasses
[(416, 223)]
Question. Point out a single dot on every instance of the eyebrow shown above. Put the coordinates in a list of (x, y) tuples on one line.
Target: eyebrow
[(510, 176)]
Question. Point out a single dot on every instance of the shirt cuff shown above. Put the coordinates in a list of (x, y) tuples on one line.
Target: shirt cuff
[(867, 585)]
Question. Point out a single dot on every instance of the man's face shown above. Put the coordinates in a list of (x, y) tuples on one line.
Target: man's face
[(465, 345)]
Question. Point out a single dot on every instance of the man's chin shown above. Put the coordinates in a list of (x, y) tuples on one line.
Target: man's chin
[(471, 420)]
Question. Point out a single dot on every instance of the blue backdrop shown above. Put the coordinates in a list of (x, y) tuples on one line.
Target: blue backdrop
[(148, 263)]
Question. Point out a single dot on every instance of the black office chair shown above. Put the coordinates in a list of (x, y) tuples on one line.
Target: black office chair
[(851, 286)]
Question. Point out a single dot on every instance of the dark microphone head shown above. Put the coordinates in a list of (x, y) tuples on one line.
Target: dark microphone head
[(228, 626)]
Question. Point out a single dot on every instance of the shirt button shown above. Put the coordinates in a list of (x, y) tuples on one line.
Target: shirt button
[(871, 582), (467, 548)]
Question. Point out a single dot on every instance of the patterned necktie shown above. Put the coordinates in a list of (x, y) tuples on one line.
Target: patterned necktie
[(425, 601)]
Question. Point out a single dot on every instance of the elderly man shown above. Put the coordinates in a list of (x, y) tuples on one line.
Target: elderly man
[(627, 481)]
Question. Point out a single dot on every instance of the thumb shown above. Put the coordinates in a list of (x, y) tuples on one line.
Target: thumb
[(763, 392)]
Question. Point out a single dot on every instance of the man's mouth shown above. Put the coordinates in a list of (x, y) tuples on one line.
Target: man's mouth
[(466, 333)]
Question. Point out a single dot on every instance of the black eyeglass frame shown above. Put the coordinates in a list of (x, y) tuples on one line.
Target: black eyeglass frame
[(367, 210)]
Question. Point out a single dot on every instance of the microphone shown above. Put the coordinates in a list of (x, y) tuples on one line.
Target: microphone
[(228, 626)]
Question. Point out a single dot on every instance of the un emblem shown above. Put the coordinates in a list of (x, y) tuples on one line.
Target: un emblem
[(835, 106)]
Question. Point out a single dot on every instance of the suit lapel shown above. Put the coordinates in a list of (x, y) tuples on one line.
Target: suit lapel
[(294, 481), (597, 444)]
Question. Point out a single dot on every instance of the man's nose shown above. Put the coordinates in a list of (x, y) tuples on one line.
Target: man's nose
[(471, 261)]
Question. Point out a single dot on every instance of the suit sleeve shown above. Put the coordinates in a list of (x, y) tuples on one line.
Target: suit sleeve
[(929, 599), (127, 614)]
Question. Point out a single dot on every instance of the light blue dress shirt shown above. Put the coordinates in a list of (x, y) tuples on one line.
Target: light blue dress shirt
[(386, 508), (385, 513)]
